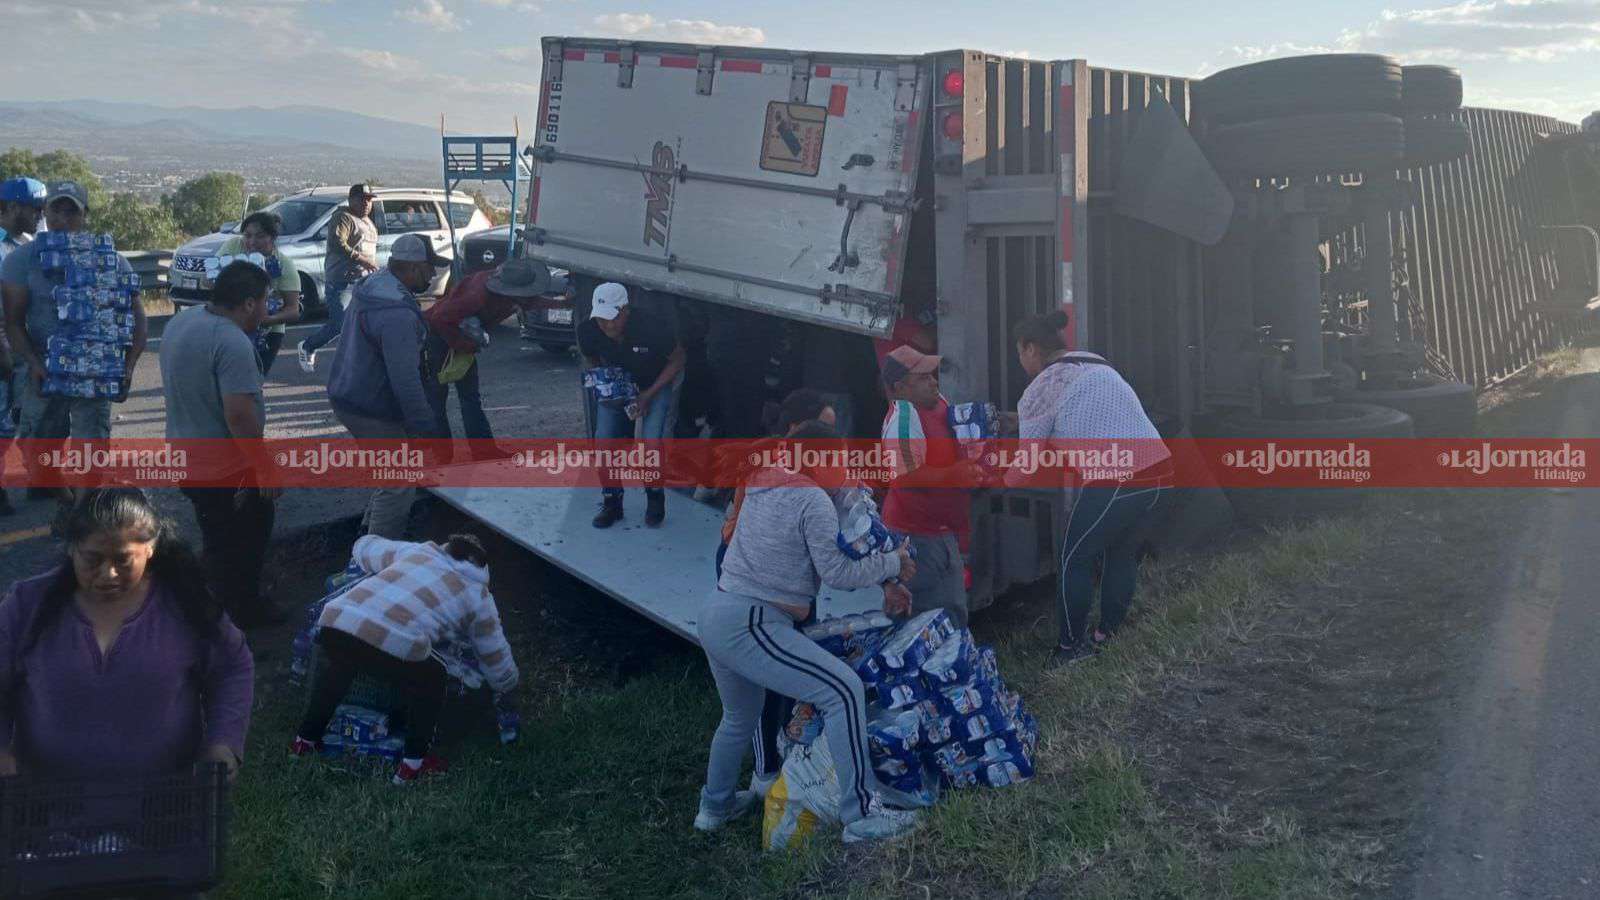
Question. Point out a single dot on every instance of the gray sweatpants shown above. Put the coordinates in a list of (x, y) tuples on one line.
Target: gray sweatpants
[(390, 508), (753, 647)]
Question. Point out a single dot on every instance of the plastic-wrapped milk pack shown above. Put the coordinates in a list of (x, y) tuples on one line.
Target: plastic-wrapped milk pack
[(86, 357)]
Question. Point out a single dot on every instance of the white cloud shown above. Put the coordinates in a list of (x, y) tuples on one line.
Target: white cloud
[(512, 5), (432, 14), (523, 54), (100, 15), (693, 31), (1513, 30), (381, 60)]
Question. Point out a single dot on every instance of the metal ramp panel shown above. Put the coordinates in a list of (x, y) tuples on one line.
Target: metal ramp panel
[(663, 573)]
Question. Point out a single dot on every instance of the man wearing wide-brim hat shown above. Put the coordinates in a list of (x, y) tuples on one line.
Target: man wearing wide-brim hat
[(490, 297)]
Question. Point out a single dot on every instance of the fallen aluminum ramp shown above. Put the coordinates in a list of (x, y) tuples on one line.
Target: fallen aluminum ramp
[(664, 573)]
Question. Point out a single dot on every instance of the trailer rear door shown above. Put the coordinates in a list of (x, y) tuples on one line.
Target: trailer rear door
[(764, 179)]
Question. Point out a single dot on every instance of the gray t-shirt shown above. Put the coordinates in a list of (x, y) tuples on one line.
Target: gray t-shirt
[(21, 269), (205, 357)]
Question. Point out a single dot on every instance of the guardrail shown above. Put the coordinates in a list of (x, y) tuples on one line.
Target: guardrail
[(151, 266)]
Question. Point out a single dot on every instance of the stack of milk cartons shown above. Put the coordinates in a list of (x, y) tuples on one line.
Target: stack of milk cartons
[(936, 704), (86, 356), (612, 385), (268, 264), (974, 424)]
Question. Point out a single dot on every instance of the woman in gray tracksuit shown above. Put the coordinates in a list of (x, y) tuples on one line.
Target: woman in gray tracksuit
[(783, 549)]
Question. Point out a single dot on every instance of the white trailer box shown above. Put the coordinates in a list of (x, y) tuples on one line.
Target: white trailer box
[(774, 181)]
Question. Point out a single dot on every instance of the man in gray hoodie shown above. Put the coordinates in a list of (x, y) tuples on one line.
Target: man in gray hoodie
[(376, 383)]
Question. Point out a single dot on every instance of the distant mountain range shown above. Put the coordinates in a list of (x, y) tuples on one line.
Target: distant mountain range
[(151, 149), (284, 124)]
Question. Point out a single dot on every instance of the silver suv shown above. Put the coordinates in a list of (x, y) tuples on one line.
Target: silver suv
[(305, 215)]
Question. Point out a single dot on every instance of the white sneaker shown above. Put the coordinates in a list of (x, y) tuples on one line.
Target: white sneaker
[(307, 358), (760, 787), (709, 819), (881, 823)]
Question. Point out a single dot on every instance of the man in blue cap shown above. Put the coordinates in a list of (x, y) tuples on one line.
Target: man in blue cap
[(21, 206)]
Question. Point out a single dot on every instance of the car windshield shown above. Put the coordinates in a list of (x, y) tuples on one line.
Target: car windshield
[(299, 215)]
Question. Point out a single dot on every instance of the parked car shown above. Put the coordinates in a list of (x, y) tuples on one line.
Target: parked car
[(305, 214), (550, 324)]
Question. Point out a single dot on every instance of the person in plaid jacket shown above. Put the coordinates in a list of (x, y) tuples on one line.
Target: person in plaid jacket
[(394, 624)]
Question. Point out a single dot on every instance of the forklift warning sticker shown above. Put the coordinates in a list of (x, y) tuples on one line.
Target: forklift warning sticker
[(792, 139)]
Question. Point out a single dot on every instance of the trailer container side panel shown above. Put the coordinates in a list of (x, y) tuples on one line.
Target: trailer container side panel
[(1145, 285), (735, 175), (1481, 276)]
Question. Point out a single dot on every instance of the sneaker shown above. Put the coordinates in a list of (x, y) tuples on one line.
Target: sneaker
[(655, 508), (881, 823), (302, 747), (1066, 656), (709, 819), (610, 513), (1100, 638), (405, 774), (760, 786), (307, 358)]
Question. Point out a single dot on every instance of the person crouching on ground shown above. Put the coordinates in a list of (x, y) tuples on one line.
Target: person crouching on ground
[(389, 625), (783, 550), (1078, 396), (119, 663)]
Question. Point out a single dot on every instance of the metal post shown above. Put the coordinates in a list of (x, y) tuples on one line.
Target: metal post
[(1303, 305), (1377, 263)]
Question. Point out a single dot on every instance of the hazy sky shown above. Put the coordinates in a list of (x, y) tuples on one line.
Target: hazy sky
[(478, 60)]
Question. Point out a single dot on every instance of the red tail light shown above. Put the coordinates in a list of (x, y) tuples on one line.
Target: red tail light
[(954, 82), (951, 125)]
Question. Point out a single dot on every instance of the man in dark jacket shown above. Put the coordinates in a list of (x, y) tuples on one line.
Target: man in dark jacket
[(376, 387)]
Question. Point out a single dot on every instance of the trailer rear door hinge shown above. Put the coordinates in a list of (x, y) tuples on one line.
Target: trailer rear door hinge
[(905, 89), (627, 59), (705, 68), (555, 53), (800, 79)]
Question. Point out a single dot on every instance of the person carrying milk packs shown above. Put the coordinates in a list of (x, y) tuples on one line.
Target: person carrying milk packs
[(258, 233), (394, 626), (784, 548)]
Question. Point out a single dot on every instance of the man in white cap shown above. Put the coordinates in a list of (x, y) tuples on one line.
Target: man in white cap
[(646, 345), (376, 387), (31, 319)]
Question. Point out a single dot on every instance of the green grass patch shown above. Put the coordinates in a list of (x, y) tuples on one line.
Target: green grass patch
[(597, 798)]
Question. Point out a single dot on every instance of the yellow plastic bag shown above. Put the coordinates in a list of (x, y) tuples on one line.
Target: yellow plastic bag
[(456, 366), (804, 798)]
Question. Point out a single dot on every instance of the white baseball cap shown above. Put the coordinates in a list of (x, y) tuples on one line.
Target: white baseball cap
[(609, 299)]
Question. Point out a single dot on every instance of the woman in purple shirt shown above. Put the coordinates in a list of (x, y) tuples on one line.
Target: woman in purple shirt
[(119, 662)]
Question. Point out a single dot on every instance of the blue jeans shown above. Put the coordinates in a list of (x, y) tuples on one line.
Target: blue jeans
[(612, 423), (473, 419), (338, 297), (1109, 520)]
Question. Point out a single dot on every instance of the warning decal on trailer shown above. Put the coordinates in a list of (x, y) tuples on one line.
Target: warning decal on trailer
[(792, 139)]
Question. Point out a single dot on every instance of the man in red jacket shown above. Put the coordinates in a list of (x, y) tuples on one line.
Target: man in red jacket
[(490, 297)]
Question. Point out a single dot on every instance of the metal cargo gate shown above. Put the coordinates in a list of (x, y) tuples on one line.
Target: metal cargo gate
[(1488, 274)]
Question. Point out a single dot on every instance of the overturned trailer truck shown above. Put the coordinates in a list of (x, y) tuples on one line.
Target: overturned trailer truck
[(1224, 278)]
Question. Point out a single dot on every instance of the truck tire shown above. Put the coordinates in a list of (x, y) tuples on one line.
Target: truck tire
[(1333, 143), (1426, 90), (1438, 408), (1330, 420), (1301, 85), (1431, 140)]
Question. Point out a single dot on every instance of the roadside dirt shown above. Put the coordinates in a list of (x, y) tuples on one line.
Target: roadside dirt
[(1333, 712)]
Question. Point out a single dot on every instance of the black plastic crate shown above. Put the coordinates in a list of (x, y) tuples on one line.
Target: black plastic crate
[(104, 839)]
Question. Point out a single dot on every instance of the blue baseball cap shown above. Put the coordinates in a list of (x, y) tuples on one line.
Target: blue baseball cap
[(23, 190)]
